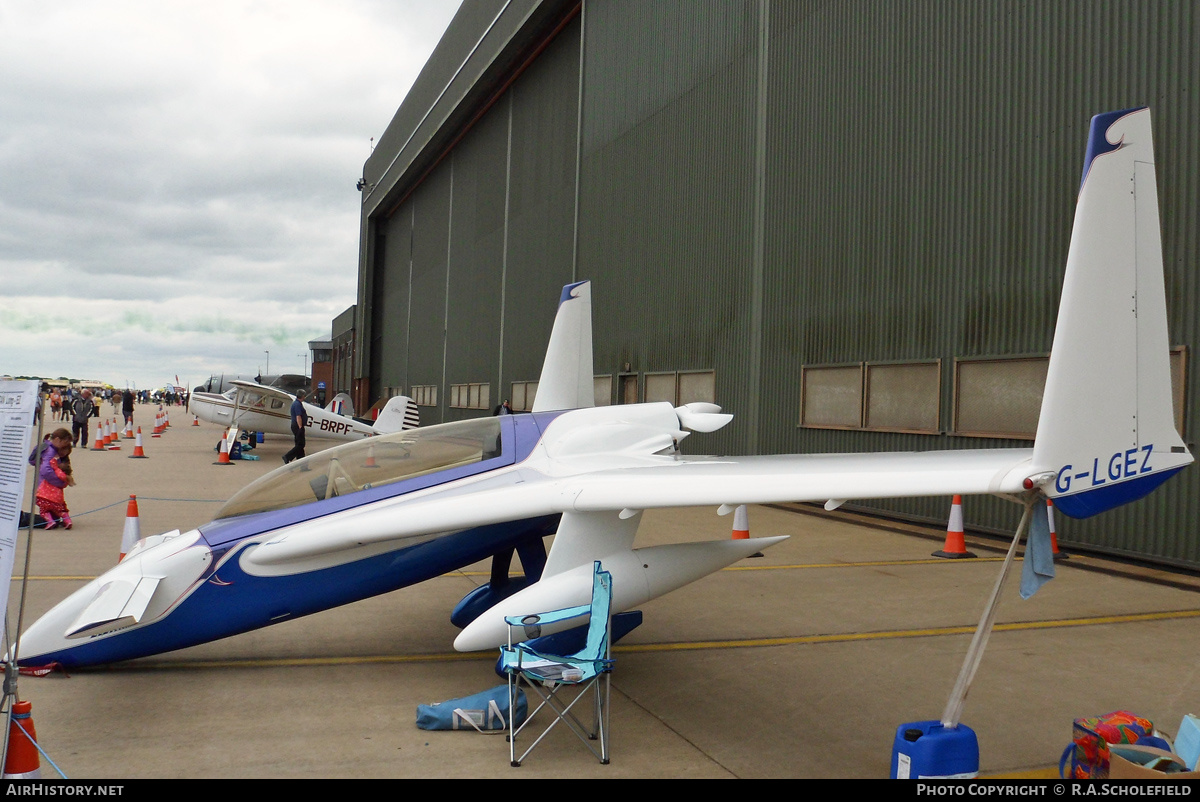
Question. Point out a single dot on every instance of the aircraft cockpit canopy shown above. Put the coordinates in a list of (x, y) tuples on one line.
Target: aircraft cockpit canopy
[(369, 463)]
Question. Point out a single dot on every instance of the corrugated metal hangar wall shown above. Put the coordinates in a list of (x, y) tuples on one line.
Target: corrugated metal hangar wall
[(849, 216)]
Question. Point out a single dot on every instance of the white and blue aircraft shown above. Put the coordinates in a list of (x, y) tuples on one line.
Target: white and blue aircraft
[(369, 517)]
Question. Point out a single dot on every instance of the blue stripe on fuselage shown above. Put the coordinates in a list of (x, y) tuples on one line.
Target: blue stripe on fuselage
[(243, 602)]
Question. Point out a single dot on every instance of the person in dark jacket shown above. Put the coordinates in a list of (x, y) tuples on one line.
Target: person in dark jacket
[(299, 417)]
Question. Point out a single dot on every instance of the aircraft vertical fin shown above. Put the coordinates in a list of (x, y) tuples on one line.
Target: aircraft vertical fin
[(1107, 428), (567, 378), (399, 413)]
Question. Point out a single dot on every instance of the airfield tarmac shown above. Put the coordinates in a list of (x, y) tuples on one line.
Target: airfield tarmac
[(799, 664)]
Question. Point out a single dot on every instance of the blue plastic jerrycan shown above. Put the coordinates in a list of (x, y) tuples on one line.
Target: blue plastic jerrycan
[(927, 750)]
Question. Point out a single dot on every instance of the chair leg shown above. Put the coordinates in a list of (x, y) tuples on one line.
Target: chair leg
[(596, 710), (564, 713), (512, 722), (602, 716)]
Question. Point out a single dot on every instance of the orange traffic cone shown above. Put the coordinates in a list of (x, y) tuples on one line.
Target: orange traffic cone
[(138, 453), (195, 421), (128, 430), (223, 457), (98, 443), (1058, 555), (107, 432), (741, 526), (741, 523), (21, 762), (133, 529), (370, 458), (956, 546), (158, 427)]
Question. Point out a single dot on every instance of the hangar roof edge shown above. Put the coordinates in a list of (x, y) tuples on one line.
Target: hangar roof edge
[(485, 42)]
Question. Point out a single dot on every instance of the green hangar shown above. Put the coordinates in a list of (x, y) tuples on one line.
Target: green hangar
[(845, 222)]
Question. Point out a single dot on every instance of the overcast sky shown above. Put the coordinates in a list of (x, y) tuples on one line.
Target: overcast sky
[(177, 179)]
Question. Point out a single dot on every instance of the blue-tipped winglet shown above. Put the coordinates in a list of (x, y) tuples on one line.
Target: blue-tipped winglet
[(568, 292), (566, 381), (1098, 143)]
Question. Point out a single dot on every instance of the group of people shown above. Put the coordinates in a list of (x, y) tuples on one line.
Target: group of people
[(53, 458), (54, 463)]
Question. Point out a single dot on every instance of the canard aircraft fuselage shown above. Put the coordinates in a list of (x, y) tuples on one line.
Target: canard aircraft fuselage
[(365, 518)]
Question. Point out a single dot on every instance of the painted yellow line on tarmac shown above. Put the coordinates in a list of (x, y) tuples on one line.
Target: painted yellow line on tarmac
[(642, 648), (53, 578)]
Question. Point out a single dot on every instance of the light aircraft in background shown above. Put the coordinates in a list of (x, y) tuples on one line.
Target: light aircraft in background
[(258, 408), (288, 382), (365, 518)]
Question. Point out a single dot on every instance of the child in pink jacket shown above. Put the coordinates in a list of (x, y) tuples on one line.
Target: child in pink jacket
[(55, 474)]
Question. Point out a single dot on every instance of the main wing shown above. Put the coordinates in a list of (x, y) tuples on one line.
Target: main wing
[(634, 479), (808, 477)]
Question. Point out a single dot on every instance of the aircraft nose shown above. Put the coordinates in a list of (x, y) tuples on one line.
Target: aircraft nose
[(46, 637), (136, 592)]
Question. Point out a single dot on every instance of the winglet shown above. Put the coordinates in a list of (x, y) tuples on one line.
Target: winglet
[(567, 380), (1107, 429)]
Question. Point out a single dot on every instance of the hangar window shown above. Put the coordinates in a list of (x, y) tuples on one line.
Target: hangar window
[(999, 397), (602, 388), (903, 397), (476, 395), (425, 395), (660, 387), (523, 396), (682, 387), (697, 385), (831, 396)]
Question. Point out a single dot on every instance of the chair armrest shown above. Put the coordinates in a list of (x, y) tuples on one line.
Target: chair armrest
[(551, 617)]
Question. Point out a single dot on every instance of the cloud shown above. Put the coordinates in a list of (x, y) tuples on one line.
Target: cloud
[(178, 178)]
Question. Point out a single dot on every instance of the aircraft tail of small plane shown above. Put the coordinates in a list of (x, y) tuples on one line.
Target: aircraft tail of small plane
[(341, 405), (1107, 427), (400, 413)]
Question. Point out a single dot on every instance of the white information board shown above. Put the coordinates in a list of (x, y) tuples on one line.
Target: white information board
[(18, 400)]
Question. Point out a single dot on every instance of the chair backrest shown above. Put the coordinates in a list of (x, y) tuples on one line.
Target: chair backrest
[(597, 637)]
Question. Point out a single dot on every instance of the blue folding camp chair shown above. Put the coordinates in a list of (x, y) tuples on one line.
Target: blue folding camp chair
[(548, 674)]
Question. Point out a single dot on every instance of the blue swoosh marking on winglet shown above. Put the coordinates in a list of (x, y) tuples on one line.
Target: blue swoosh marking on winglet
[(1098, 143), (568, 291), (1100, 499)]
